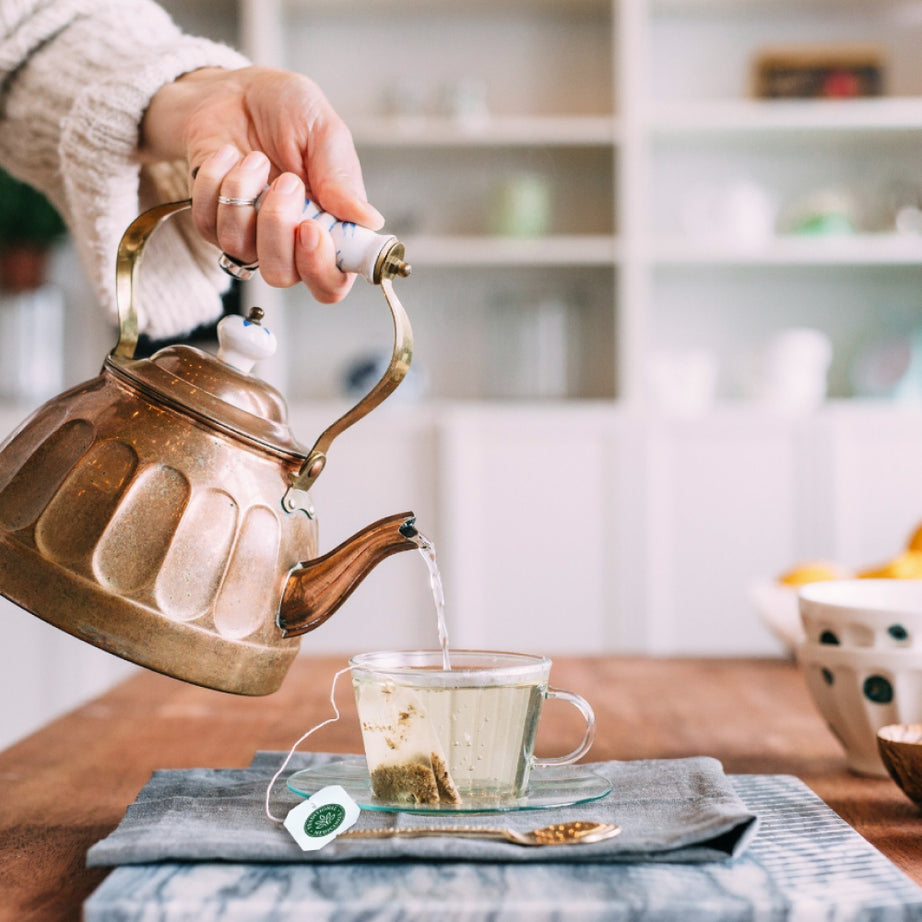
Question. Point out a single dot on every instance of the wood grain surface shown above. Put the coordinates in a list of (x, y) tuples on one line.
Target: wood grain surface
[(68, 785)]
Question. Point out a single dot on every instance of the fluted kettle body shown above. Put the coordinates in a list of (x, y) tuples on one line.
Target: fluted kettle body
[(128, 525), (159, 511)]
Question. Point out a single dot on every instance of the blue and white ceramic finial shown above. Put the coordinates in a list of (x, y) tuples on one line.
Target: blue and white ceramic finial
[(243, 341)]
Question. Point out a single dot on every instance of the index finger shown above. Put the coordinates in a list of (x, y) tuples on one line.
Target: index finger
[(334, 175)]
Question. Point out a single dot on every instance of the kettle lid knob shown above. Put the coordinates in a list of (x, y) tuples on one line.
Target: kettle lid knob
[(243, 341)]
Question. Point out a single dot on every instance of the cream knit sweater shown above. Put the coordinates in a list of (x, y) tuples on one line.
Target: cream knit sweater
[(75, 79)]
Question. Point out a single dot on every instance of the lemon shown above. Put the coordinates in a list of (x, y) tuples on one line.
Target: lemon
[(915, 542), (907, 565), (813, 572)]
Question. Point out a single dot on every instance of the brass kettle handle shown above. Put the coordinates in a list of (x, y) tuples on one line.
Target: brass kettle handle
[(127, 267), (389, 265), (295, 496)]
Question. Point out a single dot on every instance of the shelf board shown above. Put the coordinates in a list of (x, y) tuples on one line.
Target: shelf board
[(441, 7), (753, 115), (744, 6), (841, 250), (569, 250), (497, 131)]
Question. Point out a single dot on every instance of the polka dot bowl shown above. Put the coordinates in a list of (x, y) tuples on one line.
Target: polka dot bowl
[(860, 690), (883, 614)]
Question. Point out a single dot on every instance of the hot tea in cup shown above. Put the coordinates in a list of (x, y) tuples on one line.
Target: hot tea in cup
[(458, 735)]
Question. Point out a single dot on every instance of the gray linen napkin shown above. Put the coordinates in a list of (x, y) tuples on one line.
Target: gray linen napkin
[(676, 810)]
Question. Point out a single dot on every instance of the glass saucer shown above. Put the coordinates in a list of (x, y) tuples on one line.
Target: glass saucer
[(556, 786)]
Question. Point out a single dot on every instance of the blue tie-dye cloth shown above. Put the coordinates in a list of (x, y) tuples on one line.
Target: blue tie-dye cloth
[(676, 810)]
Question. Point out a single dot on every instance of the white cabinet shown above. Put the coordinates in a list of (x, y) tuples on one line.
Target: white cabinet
[(567, 529), (874, 498), (589, 528), (530, 527), (45, 673), (724, 510)]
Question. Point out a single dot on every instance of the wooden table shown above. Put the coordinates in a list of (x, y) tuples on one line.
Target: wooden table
[(68, 785)]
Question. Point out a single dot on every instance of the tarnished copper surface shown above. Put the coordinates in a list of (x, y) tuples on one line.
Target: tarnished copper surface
[(142, 511)]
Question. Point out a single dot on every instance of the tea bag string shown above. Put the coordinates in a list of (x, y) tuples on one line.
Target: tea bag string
[(291, 752)]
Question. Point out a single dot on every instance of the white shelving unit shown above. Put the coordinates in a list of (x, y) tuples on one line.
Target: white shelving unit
[(626, 110), (539, 78), (707, 283)]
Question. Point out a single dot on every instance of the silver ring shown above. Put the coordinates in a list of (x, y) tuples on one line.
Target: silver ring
[(230, 200), (235, 268)]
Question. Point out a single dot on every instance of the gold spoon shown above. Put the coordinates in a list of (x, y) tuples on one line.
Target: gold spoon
[(574, 832)]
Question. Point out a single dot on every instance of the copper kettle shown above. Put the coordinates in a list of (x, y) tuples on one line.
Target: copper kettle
[(160, 510)]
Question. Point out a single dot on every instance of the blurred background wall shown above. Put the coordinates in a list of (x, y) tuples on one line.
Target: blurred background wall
[(666, 298)]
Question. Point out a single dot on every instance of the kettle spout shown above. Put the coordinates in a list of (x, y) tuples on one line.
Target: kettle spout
[(316, 588)]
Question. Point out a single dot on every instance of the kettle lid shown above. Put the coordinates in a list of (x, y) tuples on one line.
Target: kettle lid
[(219, 391)]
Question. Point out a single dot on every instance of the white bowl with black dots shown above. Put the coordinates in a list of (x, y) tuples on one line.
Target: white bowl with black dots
[(859, 690), (883, 614)]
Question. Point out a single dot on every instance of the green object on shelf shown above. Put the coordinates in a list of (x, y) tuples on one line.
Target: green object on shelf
[(820, 225)]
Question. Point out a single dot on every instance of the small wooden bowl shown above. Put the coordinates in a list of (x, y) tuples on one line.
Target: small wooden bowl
[(900, 747)]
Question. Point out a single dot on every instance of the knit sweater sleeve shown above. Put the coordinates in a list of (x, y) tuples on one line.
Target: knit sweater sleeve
[(76, 77)]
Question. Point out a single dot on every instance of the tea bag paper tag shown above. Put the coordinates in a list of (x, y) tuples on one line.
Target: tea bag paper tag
[(322, 817)]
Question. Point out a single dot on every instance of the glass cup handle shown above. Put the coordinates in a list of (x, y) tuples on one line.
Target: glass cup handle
[(583, 706)]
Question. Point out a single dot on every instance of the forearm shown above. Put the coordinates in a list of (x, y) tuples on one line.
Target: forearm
[(111, 110), (78, 76), (77, 71)]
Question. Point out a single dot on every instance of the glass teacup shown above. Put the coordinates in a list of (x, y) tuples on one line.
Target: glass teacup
[(453, 736)]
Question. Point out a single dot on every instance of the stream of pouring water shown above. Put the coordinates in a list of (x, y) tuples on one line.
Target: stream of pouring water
[(427, 549)]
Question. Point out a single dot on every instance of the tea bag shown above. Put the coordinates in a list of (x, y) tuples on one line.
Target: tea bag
[(406, 761)]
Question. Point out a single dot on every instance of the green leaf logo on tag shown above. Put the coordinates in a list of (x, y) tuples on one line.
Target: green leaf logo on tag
[(324, 820)]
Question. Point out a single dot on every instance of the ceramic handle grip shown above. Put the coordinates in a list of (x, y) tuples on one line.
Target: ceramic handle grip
[(359, 249), (376, 257)]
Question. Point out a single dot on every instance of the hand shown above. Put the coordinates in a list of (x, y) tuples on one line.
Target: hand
[(240, 130)]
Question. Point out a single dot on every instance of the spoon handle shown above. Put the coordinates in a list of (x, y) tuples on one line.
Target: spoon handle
[(415, 832)]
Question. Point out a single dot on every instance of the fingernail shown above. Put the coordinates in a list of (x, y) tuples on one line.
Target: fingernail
[(287, 183), (375, 213), (254, 160), (308, 235)]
